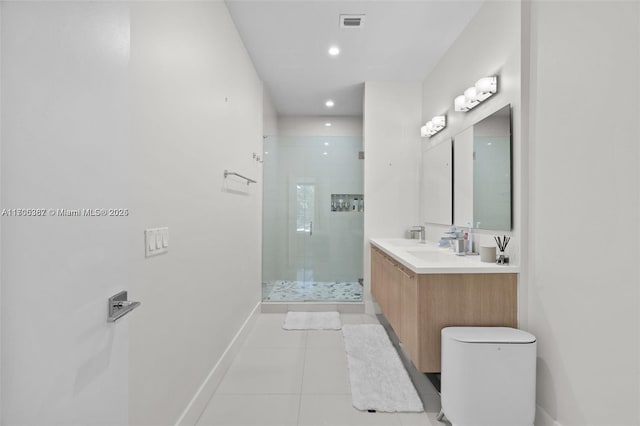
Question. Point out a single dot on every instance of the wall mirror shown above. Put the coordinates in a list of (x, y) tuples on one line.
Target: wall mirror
[(482, 173), (437, 184)]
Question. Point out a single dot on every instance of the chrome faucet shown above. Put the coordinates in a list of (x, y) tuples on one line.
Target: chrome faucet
[(456, 240), (421, 230), (453, 234)]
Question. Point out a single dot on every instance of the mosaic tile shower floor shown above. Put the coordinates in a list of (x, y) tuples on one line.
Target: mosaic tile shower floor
[(312, 291)]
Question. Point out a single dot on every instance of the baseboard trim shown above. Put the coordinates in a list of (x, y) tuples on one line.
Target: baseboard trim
[(198, 403), (544, 419)]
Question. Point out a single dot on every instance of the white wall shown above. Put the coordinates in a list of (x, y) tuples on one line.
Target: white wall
[(270, 115), (583, 284), (1, 206), (65, 144), (269, 153), (392, 159), (196, 111), (303, 125), (489, 45)]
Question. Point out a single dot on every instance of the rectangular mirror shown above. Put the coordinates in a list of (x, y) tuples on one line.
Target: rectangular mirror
[(437, 183), (482, 190)]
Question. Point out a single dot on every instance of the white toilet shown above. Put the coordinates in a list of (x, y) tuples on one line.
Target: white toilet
[(488, 376)]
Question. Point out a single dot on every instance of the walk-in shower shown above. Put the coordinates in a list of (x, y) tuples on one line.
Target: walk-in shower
[(313, 219)]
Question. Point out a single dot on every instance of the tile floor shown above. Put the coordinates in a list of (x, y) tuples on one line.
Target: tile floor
[(283, 378)]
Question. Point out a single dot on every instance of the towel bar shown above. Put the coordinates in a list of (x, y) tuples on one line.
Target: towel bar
[(227, 173)]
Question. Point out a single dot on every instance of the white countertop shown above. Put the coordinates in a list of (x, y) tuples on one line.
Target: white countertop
[(430, 259)]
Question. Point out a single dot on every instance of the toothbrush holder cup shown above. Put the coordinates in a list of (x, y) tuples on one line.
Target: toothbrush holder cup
[(488, 254)]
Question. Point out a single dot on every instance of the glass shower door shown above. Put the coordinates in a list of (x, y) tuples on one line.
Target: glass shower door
[(304, 204), (311, 251)]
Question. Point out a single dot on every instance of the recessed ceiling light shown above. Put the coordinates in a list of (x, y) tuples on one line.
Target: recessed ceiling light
[(334, 51), (325, 153), (329, 103), (327, 124), (326, 144)]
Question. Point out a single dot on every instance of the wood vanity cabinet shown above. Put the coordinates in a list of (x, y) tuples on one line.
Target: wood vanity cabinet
[(419, 306)]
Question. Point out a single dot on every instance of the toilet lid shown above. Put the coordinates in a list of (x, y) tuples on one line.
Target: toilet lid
[(487, 335)]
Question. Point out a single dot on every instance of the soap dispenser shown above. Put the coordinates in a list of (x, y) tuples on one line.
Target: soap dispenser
[(469, 238)]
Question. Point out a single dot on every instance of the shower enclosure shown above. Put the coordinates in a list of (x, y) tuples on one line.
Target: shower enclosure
[(312, 219)]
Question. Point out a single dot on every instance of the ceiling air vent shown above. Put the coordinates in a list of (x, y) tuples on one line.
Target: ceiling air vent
[(351, 21)]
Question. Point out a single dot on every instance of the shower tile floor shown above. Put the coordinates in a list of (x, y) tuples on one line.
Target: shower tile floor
[(314, 291)]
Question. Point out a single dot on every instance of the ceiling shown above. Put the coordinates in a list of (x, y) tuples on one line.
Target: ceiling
[(288, 42)]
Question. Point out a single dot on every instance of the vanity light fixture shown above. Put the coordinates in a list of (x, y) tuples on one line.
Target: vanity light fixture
[(432, 127), (327, 124), (474, 95)]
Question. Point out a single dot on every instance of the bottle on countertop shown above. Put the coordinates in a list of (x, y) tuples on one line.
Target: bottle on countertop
[(469, 238)]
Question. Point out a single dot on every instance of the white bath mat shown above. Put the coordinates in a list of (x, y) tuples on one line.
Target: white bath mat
[(378, 380), (312, 321)]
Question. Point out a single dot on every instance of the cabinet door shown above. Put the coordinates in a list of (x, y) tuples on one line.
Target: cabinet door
[(463, 300), (409, 314), (392, 295), (385, 272)]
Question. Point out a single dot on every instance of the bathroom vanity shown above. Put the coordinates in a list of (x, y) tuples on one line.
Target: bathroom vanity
[(422, 288)]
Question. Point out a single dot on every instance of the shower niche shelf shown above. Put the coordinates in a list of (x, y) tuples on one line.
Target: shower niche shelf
[(347, 203)]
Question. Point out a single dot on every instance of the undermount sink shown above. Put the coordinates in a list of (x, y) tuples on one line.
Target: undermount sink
[(404, 242), (430, 255)]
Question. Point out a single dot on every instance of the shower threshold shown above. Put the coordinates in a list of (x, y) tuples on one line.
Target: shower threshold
[(283, 307)]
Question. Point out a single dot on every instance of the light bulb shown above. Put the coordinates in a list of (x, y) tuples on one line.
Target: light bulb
[(470, 94), (431, 129), (487, 85), (460, 103), (439, 121)]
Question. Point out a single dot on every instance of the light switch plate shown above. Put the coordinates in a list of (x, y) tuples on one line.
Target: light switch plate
[(156, 241), (150, 239), (165, 237)]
